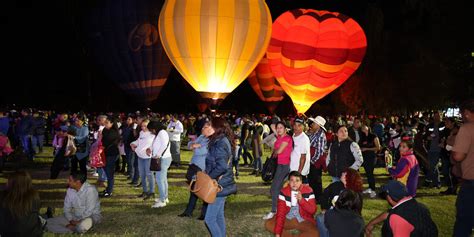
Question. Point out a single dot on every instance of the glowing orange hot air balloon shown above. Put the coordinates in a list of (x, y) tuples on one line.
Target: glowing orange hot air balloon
[(311, 53), (215, 44), (265, 85)]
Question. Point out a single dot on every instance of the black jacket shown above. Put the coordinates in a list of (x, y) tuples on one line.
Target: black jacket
[(110, 141), (341, 157), (352, 224), (416, 214), (329, 193)]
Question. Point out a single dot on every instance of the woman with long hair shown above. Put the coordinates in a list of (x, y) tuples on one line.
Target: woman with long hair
[(20, 204), (281, 152), (160, 149), (218, 167), (110, 141), (349, 179)]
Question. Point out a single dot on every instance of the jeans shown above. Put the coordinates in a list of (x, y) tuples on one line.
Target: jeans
[(433, 175), (102, 174), (235, 160), (323, 231), (38, 141), (135, 173), (175, 148), (281, 173), (162, 178), (257, 164), (215, 219), (446, 171), (369, 166), (192, 204), (110, 171), (27, 146), (315, 180), (464, 210), (245, 154), (146, 174), (129, 160)]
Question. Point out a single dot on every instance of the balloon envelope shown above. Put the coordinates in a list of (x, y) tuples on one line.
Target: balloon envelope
[(124, 39), (311, 53), (265, 85), (215, 44)]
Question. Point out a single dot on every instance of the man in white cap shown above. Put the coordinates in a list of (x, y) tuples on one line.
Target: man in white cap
[(317, 138), (300, 155)]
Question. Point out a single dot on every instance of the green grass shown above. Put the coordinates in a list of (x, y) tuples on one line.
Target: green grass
[(124, 214)]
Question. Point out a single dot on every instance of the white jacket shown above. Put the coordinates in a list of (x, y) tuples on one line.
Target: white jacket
[(144, 141), (160, 144)]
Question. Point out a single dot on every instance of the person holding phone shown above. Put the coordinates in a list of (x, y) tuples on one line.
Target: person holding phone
[(296, 208)]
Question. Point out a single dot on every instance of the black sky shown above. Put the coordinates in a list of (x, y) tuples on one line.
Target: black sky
[(44, 64)]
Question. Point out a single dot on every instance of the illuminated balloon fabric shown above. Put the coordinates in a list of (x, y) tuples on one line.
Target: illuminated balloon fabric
[(215, 44), (123, 35), (311, 53), (265, 85)]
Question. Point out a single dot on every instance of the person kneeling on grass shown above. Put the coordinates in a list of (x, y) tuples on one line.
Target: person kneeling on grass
[(296, 208), (81, 208), (407, 217)]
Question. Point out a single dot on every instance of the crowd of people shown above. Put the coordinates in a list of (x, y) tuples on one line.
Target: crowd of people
[(303, 148)]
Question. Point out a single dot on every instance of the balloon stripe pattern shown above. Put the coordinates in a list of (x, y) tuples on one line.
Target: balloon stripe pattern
[(124, 40), (265, 84), (311, 53), (215, 44)]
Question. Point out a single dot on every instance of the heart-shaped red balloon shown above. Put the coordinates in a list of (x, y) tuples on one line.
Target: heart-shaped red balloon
[(311, 53)]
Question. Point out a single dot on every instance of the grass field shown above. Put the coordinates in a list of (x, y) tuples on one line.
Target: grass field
[(126, 215)]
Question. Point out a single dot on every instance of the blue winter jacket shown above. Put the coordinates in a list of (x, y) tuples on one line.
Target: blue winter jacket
[(218, 167)]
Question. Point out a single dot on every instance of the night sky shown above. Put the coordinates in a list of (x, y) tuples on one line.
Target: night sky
[(46, 65)]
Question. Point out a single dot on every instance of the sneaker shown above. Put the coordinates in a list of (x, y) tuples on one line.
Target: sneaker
[(159, 204), (166, 200), (367, 191), (106, 195), (373, 194), (269, 216)]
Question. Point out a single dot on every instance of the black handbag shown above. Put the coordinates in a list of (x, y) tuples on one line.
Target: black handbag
[(155, 163), (269, 169)]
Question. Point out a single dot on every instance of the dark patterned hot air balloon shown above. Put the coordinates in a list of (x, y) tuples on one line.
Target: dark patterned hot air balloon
[(311, 53), (265, 85), (123, 37)]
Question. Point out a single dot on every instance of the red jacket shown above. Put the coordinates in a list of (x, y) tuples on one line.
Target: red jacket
[(307, 206)]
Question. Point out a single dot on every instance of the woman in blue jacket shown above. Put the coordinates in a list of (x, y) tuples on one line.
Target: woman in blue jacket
[(221, 148)]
